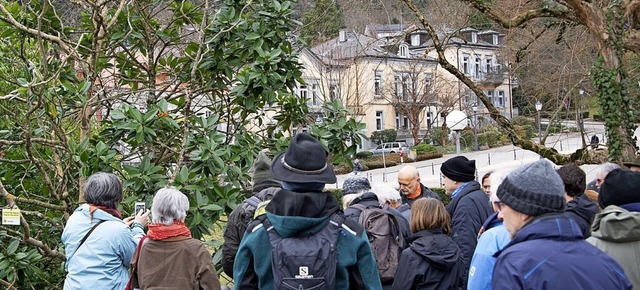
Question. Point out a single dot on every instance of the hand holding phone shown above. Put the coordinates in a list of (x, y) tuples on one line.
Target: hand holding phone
[(142, 214), (140, 206)]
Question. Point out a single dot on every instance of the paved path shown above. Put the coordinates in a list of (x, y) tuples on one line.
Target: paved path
[(495, 158)]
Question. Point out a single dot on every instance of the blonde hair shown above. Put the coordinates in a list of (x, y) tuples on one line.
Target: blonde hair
[(429, 213), (347, 199)]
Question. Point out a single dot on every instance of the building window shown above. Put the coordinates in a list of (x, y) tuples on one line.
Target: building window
[(500, 103), (488, 64), (415, 39), (465, 64), (474, 37), (495, 39), (427, 83), (334, 92), (378, 84), (302, 92), (477, 67), (490, 95), (403, 86), (314, 94), (429, 119), (397, 121), (404, 50), (405, 123), (379, 120)]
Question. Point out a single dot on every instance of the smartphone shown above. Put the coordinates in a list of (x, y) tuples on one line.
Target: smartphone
[(140, 205)]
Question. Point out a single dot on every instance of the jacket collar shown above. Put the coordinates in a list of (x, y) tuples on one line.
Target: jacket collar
[(552, 226)]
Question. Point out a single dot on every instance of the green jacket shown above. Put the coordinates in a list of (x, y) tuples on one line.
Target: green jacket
[(616, 232), (295, 213)]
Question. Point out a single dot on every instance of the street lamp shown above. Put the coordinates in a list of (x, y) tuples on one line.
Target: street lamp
[(474, 107), (538, 108), (580, 119)]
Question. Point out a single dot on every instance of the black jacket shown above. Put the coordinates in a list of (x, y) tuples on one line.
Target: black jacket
[(468, 211), (432, 261), (582, 210), (237, 224), (424, 192)]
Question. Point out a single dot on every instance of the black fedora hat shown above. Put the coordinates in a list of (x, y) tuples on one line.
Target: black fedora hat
[(305, 161)]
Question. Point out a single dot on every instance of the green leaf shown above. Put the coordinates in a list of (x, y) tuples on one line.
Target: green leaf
[(13, 246)]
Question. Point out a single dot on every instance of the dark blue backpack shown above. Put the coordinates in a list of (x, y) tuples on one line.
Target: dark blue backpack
[(305, 262)]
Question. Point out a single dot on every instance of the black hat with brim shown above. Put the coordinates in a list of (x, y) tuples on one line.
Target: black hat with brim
[(305, 161)]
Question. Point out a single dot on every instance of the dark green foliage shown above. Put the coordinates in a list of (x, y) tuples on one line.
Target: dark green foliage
[(322, 22), (425, 148), (363, 154), (388, 135)]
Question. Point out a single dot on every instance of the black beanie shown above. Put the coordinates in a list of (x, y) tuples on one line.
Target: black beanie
[(459, 168), (533, 189), (620, 187)]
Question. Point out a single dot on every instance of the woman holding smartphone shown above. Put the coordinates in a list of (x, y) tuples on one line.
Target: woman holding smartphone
[(170, 258), (98, 243)]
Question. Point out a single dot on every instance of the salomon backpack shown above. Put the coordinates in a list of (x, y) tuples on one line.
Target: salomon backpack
[(385, 238), (305, 262)]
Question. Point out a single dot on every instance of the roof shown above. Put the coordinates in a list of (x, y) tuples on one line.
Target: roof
[(356, 45)]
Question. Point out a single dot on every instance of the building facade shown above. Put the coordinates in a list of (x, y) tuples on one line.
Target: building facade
[(389, 77)]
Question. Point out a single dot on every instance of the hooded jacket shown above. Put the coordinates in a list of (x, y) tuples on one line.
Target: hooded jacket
[(468, 210), (582, 210), (432, 261), (101, 262), (616, 232), (549, 253), (493, 239), (304, 213), (237, 224)]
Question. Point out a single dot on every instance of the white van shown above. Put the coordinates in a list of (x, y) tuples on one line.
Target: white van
[(391, 147)]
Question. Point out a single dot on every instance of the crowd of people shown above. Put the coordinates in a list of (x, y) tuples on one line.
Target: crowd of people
[(535, 227)]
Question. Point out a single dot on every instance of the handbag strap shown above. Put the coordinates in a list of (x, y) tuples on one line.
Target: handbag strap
[(86, 236), (133, 279)]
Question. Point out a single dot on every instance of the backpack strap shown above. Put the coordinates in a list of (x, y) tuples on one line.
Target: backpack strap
[(85, 237), (133, 279)]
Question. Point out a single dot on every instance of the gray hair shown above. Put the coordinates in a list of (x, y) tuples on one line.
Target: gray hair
[(386, 192), (496, 179), (169, 205), (606, 167), (103, 189)]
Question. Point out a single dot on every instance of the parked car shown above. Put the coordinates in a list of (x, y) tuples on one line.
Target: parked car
[(391, 147)]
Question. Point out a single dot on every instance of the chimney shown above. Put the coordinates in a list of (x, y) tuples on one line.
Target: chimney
[(342, 35)]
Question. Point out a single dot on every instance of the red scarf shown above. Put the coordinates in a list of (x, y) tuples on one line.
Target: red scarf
[(161, 231), (111, 211)]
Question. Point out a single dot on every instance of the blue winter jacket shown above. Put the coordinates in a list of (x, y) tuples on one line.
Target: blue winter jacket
[(549, 253), (302, 214), (101, 262), (494, 238)]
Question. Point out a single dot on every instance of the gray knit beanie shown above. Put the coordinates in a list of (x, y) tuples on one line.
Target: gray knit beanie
[(356, 184), (533, 189)]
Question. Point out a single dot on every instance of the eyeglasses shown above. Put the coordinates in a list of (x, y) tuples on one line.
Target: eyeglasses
[(498, 205)]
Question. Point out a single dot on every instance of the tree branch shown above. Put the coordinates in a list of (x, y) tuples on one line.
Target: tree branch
[(519, 19)]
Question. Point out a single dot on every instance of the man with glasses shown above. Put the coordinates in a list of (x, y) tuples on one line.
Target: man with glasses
[(410, 186), (546, 250)]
